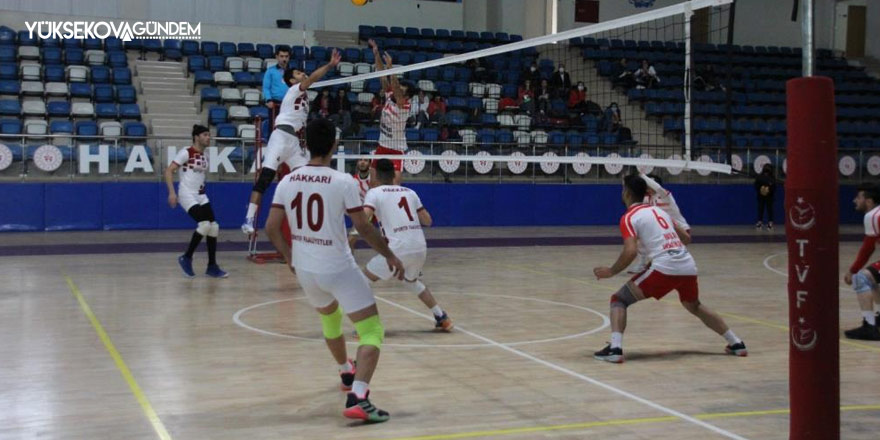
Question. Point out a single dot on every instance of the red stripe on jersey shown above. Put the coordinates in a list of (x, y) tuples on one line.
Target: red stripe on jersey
[(353, 210), (370, 206), (630, 230), (277, 205)]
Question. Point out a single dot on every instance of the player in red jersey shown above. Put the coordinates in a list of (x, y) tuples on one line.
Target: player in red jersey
[(392, 123), (864, 279)]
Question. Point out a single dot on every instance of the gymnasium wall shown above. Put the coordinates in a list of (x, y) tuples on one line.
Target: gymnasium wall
[(143, 205), (872, 36), (341, 15)]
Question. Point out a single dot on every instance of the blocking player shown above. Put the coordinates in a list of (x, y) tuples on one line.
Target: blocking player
[(285, 141), (864, 279), (315, 199), (403, 216), (392, 123), (362, 177), (191, 165), (650, 231)]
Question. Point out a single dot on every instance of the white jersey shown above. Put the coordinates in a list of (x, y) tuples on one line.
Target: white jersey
[(316, 199), (294, 108), (397, 208), (392, 124), (664, 200), (363, 184), (658, 241), (193, 166), (872, 222)]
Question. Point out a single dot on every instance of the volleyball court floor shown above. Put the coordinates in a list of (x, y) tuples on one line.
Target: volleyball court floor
[(104, 339)]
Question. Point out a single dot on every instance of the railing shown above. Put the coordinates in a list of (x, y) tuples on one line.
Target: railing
[(91, 158)]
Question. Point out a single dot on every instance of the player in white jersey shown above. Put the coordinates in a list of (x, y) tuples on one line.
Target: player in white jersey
[(392, 123), (362, 177), (191, 165), (864, 280), (402, 215), (315, 199), (663, 199), (285, 141), (650, 231)]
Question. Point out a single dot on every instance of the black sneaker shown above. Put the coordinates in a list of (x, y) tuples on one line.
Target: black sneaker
[(364, 410), (347, 378), (759, 226), (608, 354), (738, 349), (443, 323), (866, 332)]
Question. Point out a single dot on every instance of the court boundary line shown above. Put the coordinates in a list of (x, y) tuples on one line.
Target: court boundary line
[(613, 422), (582, 377), (139, 395)]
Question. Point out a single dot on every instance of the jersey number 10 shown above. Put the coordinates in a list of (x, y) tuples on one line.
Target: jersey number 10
[(314, 200)]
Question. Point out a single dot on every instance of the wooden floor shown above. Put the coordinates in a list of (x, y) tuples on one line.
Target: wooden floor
[(120, 346)]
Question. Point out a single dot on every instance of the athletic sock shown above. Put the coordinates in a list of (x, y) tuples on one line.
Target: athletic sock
[(437, 311), (360, 388), (731, 338), (347, 367), (193, 244), (870, 318), (252, 210), (212, 250), (616, 340)]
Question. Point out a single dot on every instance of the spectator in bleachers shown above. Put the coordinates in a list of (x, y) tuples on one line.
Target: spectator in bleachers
[(526, 97), (340, 111), (623, 77), (532, 75), (321, 104), (274, 87), (646, 77), (437, 110), (419, 109), (706, 79), (765, 188), (560, 82), (611, 122), (577, 98), (480, 74), (544, 93)]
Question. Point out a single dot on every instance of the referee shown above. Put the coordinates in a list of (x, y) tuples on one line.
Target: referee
[(274, 87)]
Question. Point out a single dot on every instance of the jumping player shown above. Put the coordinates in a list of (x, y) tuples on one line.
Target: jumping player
[(315, 199), (650, 231), (362, 177), (285, 141), (392, 123), (864, 280), (663, 199), (403, 216), (191, 165)]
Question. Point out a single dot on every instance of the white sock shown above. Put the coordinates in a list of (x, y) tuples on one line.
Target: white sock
[(437, 311), (869, 317), (347, 367), (616, 340), (360, 388), (252, 210), (731, 338)]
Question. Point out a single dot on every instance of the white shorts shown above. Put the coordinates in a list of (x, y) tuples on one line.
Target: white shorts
[(284, 147), (350, 287), (412, 264), (187, 201)]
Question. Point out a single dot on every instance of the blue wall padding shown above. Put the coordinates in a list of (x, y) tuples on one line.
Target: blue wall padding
[(143, 205)]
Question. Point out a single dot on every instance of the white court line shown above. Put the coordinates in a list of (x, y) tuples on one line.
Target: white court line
[(577, 375)]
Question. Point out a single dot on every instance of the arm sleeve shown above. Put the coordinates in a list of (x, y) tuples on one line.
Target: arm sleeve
[(626, 228), (267, 81), (352, 198), (651, 183), (182, 157), (370, 199), (418, 205), (864, 254), (278, 198)]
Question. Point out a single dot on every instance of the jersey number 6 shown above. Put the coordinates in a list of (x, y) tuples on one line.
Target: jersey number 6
[(663, 223), (314, 199)]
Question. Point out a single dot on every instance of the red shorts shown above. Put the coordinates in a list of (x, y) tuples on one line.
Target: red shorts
[(656, 285), (398, 164)]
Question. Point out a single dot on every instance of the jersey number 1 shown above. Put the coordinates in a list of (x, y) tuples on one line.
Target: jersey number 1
[(404, 205), (314, 199)]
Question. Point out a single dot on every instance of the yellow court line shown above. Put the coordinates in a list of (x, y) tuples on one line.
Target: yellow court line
[(614, 422), (120, 364), (726, 314)]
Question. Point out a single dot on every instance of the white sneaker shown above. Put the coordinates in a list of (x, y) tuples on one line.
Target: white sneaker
[(248, 226)]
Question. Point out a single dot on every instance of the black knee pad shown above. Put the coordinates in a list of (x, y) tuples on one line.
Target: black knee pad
[(265, 179)]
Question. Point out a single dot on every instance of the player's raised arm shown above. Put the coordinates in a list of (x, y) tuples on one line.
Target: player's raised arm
[(651, 183), (273, 230), (335, 58), (379, 66), (169, 182), (399, 95), (375, 240)]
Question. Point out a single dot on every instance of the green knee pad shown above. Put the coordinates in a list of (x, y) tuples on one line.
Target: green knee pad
[(332, 324), (370, 331)]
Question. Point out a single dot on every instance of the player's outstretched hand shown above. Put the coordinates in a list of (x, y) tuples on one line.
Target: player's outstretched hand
[(848, 279), (396, 267), (372, 44), (603, 272), (172, 200), (335, 58), (387, 59)]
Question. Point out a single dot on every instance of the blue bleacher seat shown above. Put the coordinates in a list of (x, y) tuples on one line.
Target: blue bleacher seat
[(117, 59), (113, 44), (210, 94), (53, 73), (265, 51), (61, 127), (10, 107), (100, 75), (247, 50), (8, 71), (216, 63), (504, 136), (263, 112), (574, 138), (74, 56), (152, 46), (486, 136), (129, 111), (320, 53), (10, 126), (228, 49), (93, 44), (460, 88), (371, 134), (80, 90), (243, 79), (299, 52), (106, 110), (366, 32), (195, 62), (134, 44), (10, 87), (50, 55), (86, 128), (7, 36), (442, 34), (412, 135), (104, 93), (126, 94), (430, 134), (456, 118), (488, 119), (396, 31), (556, 138), (122, 76), (226, 130), (190, 47), (217, 115), (134, 129), (210, 48), (25, 39)]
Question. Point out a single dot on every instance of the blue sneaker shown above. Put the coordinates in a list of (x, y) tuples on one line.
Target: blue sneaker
[(186, 264), (214, 271)]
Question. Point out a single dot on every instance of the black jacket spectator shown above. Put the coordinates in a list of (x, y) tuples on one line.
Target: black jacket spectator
[(561, 82), (765, 190)]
